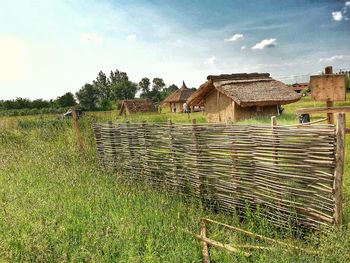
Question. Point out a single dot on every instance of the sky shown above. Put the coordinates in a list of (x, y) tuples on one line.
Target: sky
[(50, 47)]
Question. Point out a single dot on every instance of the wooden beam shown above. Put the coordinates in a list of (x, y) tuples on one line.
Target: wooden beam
[(248, 233), (339, 169), (323, 110), (218, 244), (205, 248)]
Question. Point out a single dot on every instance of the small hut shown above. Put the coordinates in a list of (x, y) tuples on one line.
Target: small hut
[(136, 106), (178, 98), (242, 96)]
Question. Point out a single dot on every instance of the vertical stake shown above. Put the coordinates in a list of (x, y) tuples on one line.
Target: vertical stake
[(339, 169), (330, 116), (196, 150), (275, 144), (146, 157), (273, 121)]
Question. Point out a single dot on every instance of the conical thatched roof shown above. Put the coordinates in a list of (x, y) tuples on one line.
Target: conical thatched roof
[(181, 95), (254, 89)]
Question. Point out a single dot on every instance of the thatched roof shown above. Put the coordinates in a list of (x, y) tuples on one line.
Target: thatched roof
[(181, 95), (246, 89), (137, 105)]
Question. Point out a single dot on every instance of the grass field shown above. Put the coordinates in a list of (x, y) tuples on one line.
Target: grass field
[(56, 204)]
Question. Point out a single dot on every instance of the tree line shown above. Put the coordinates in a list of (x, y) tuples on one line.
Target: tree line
[(102, 94), (65, 100), (104, 91)]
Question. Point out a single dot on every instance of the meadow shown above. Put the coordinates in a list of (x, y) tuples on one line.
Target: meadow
[(57, 204)]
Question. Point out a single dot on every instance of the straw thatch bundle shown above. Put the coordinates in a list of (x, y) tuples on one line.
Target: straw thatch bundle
[(254, 89)]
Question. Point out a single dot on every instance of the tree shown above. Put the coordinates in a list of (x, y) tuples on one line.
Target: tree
[(40, 104), (144, 86), (102, 84), (66, 100), (88, 97), (158, 84), (156, 96), (118, 76), (171, 89), (22, 103), (123, 90)]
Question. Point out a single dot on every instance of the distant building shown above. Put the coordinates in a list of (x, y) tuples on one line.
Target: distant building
[(298, 87), (176, 99), (241, 96), (136, 106)]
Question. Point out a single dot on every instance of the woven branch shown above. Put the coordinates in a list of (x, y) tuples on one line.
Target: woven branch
[(287, 171)]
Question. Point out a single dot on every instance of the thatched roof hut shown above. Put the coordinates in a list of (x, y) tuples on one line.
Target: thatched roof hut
[(136, 106), (241, 96), (178, 98)]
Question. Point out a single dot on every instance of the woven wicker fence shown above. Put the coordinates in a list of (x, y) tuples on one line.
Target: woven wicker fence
[(289, 172)]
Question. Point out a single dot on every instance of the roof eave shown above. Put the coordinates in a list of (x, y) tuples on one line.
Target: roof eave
[(245, 104)]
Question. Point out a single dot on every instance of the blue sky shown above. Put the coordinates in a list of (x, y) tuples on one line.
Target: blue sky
[(50, 47)]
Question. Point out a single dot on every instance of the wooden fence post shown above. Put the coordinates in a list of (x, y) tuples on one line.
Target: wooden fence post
[(274, 138), (339, 169), (330, 116), (112, 141), (146, 156), (99, 142), (197, 153), (275, 146), (235, 177), (174, 177), (77, 128)]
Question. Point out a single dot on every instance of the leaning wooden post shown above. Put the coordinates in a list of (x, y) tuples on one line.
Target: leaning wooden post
[(77, 128), (205, 247), (330, 116), (339, 169)]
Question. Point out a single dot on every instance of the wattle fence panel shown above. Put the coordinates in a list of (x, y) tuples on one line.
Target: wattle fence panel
[(289, 172)]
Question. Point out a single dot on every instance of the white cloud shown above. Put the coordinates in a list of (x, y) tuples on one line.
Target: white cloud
[(91, 37), (131, 38), (337, 16), (243, 47), (342, 15), (211, 61), (265, 43), (333, 58), (234, 38)]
